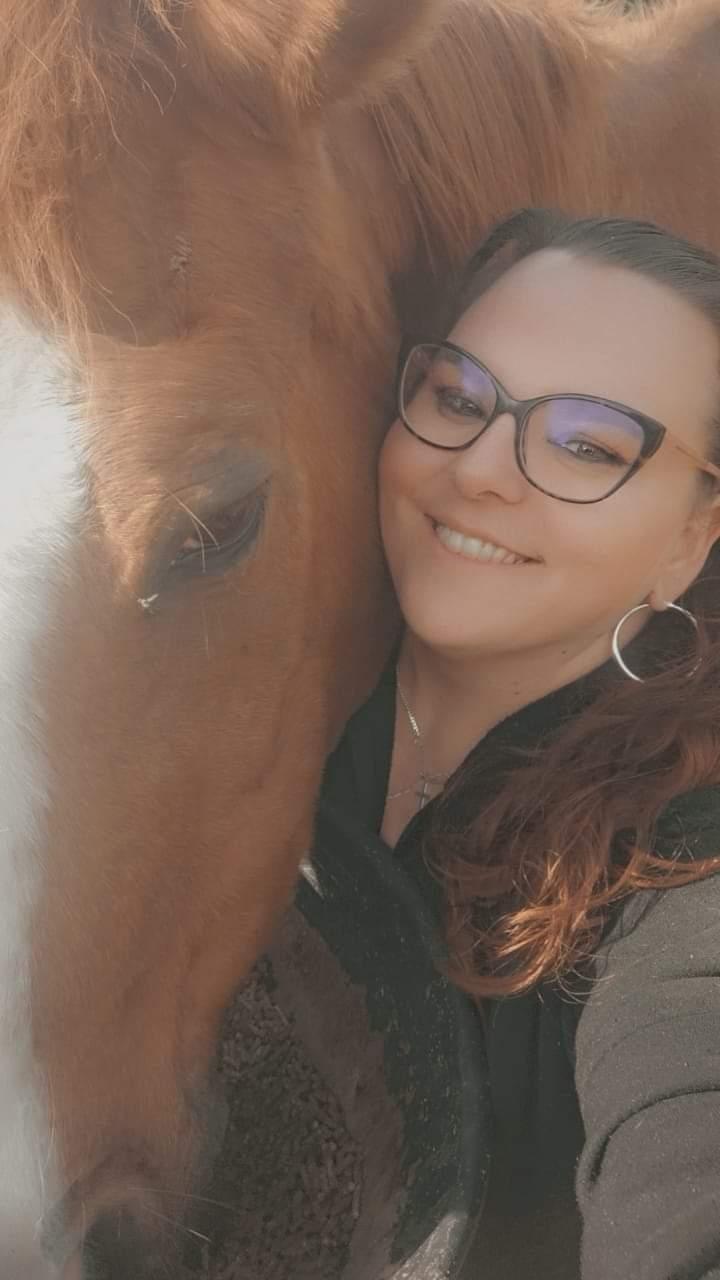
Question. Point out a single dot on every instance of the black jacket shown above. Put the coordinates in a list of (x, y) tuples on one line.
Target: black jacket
[(606, 1160)]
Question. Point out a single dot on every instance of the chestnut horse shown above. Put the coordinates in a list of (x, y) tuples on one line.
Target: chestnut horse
[(216, 216)]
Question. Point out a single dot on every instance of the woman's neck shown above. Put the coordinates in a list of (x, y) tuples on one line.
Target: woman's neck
[(456, 698)]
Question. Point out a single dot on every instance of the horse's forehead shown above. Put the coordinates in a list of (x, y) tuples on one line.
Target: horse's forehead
[(194, 215), (177, 413)]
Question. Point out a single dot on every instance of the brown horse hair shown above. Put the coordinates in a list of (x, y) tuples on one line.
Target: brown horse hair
[(565, 833), (462, 146), (71, 72), (64, 77), (456, 142)]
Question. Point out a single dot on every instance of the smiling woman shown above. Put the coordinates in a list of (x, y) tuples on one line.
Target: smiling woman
[(548, 493), (531, 476)]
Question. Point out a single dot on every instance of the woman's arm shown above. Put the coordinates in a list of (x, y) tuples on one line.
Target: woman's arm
[(648, 1081)]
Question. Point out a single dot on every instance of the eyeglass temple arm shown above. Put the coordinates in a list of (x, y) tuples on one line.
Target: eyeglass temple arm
[(699, 461)]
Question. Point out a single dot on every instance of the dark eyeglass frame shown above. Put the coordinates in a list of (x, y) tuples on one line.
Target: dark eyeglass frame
[(653, 431)]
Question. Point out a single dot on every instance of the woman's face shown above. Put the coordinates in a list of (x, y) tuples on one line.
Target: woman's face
[(556, 324)]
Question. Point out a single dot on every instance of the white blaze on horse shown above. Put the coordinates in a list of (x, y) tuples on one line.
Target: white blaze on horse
[(215, 220)]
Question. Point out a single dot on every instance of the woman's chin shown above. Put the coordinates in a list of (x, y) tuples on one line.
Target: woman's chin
[(464, 626), (461, 641)]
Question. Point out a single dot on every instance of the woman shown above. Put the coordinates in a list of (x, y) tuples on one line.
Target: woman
[(545, 748)]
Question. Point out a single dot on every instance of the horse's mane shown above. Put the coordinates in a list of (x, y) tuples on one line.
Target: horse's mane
[(503, 103), (592, 109), (509, 97), (62, 81)]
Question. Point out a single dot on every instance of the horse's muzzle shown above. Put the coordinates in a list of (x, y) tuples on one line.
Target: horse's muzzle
[(120, 1238), (120, 1247)]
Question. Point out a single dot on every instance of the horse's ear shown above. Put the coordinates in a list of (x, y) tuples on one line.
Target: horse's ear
[(298, 56)]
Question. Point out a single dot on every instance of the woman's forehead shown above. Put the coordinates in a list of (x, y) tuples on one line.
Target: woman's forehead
[(558, 322)]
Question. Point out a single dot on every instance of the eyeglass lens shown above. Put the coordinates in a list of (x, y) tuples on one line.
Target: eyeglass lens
[(571, 448)]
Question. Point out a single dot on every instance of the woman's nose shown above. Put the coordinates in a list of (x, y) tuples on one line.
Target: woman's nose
[(490, 464)]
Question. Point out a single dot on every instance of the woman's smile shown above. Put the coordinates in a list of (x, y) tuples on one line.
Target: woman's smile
[(475, 548)]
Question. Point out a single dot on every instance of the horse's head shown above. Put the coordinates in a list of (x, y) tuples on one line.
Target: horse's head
[(196, 338)]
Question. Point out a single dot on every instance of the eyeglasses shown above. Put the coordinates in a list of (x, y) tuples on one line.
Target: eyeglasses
[(575, 448)]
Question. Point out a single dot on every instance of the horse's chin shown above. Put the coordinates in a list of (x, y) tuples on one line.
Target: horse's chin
[(125, 1217), (121, 1244), (127, 1231)]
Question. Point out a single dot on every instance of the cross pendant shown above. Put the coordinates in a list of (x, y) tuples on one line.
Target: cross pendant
[(422, 791)]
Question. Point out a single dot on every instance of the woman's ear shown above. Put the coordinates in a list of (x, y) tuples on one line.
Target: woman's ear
[(699, 536)]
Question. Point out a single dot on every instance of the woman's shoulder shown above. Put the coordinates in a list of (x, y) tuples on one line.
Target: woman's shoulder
[(654, 972), (660, 936), (646, 1067), (687, 831)]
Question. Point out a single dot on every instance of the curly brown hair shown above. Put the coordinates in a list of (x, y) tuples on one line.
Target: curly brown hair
[(564, 833)]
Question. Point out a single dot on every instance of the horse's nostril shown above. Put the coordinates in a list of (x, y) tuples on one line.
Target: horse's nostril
[(108, 1226), (120, 1247), (111, 1247)]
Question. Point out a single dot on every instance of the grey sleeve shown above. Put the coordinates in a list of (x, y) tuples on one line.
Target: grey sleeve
[(647, 1071)]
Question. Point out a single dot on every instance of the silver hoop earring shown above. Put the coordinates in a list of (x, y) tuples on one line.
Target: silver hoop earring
[(637, 609)]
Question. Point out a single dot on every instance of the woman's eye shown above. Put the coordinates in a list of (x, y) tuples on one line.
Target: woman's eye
[(218, 539), (451, 401), (588, 451)]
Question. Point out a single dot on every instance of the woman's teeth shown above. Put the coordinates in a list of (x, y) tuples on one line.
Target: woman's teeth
[(476, 548)]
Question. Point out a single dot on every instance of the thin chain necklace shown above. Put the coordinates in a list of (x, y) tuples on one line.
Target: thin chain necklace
[(425, 783)]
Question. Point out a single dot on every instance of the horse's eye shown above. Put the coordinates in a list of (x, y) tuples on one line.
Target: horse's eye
[(217, 539)]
